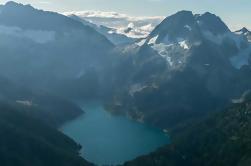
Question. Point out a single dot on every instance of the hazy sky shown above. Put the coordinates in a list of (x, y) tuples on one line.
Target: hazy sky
[(236, 13)]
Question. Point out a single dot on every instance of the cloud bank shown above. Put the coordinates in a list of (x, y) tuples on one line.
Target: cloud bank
[(136, 27)]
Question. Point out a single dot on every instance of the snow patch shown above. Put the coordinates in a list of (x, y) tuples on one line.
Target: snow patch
[(141, 42), (165, 48), (239, 33), (162, 49), (111, 32), (153, 40), (25, 102), (249, 38), (184, 45), (188, 27), (136, 88), (246, 33)]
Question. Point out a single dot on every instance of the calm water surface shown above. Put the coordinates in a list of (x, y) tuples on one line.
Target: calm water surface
[(108, 139)]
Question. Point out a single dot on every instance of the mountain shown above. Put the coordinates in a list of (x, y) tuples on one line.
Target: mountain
[(244, 31), (41, 49), (222, 138), (185, 25), (183, 31), (188, 66), (26, 141), (109, 33)]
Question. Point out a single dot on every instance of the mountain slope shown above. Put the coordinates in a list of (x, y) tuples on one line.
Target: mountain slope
[(42, 49), (52, 110), (25, 141), (222, 138)]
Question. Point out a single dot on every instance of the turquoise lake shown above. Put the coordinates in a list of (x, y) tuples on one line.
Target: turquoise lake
[(108, 139)]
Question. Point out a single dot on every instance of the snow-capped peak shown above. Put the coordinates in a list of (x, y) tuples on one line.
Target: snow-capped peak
[(245, 32), (175, 37)]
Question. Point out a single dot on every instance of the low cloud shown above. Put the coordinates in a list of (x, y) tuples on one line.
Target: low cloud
[(132, 26)]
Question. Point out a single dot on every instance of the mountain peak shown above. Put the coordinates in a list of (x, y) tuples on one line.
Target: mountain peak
[(183, 13), (208, 14), (243, 30), (212, 23), (14, 7), (184, 30), (26, 17), (179, 18), (185, 25), (13, 4), (178, 25)]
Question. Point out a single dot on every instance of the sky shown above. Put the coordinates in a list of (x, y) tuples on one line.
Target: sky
[(236, 13)]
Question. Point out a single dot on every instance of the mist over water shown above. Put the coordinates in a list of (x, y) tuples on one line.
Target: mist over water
[(108, 139)]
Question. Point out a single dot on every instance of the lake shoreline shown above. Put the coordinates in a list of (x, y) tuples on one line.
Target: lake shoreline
[(110, 139)]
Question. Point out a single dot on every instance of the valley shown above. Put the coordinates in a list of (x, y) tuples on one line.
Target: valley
[(175, 91)]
